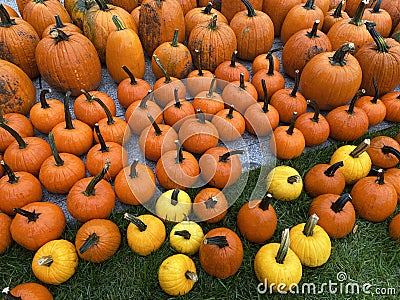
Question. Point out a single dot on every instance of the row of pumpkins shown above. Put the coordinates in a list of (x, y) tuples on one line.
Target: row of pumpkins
[(373, 197)]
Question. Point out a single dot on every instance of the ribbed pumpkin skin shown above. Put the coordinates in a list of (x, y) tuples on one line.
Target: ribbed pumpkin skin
[(128, 5), (230, 8), (69, 65), (393, 8), (5, 241), (277, 11), (31, 291), (17, 92)]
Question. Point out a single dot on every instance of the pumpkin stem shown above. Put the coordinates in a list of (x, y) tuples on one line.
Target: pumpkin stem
[(102, 5), (233, 59), (42, 97), (89, 97), (230, 112), (241, 82), (12, 178), (174, 196), (315, 107), (179, 154), (67, 113), (21, 143), (290, 130), (271, 66), (294, 179), (200, 116), (210, 93), (310, 225), (357, 18), (265, 100), (136, 221), (157, 129), (390, 150), (250, 9), (218, 240), (330, 172), (5, 18), (45, 261), (338, 10), (143, 102), (313, 33), (381, 178), (207, 9), (227, 155), (338, 59), (183, 233), (6, 294), (296, 84), (338, 205), (213, 22), (191, 276), (31, 215), (357, 96), (265, 202), (283, 247), (198, 60), (58, 35), (376, 95), (118, 23), (57, 158), (364, 145), (130, 74), (103, 145), (59, 23), (382, 46), (133, 172), (309, 5), (90, 189), (178, 103), (377, 7), (163, 69), (211, 202), (110, 118), (93, 239), (174, 42)]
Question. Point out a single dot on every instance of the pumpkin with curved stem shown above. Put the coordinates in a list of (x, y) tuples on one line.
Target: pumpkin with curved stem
[(37, 223), (278, 265), (5, 241), (230, 9), (381, 17), (313, 125), (210, 205), (55, 262), (18, 189), (394, 227), (186, 237), (97, 240), (221, 253), (209, 102), (325, 179), (373, 198), (91, 197), (230, 124), (392, 103), (384, 152), (177, 169), (145, 233), (198, 80), (11, 11), (28, 290), (46, 114), (59, 172), (337, 214), (177, 275), (72, 136), (284, 183), (173, 205), (156, 140), (277, 11), (230, 70), (392, 176), (68, 28), (177, 111), (310, 242), (334, 15), (257, 220), (261, 118), (262, 62)]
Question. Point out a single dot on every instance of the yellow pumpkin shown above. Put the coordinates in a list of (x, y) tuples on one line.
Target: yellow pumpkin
[(145, 233), (177, 275), (174, 205), (55, 262), (186, 237), (277, 266), (310, 242), (356, 160), (284, 183)]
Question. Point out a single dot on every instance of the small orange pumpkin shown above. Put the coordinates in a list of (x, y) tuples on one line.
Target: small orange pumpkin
[(210, 205)]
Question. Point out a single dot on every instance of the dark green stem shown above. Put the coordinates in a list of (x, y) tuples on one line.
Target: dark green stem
[(357, 18), (183, 233), (233, 59), (265, 100), (174, 197), (241, 82), (59, 23), (103, 145), (250, 9), (56, 155), (207, 9), (377, 7), (283, 247), (330, 172), (309, 5), (313, 33), (390, 150), (5, 18), (178, 103), (89, 97), (174, 42), (211, 202), (213, 22), (381, 45), (381, 178), (210, 93), (296, 84), (8, 296), (133, 172), (32, 216), (265, 202), (90, 189), (376, 95), (157, 129), (42, 97), (218, 240), (163, 69), (179, 154), (130, 74), (67, 113), (357, 96), (225, 157), (102, 5), (294, 179), (92, 240), (21, 143), (118, 23), (315, 107), (290, 130), (310, 225), (143, 102), (338, 205), (230, 112), (135, 221), (200, 116), (198, 59), (271, 66), (12, 178), (338, 59), (58, 35), (338, 11), (110, 118)]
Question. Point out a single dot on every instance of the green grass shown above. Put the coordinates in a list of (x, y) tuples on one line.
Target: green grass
[(367, 256)]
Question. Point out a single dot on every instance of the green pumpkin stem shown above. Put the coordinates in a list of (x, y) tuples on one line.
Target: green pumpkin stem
[(90, 189), (290, 130), (103, 146), (338, 10), (241, 82), (225, 157), (309, 5), (212, 25), (364, 145), (59, 23), (174, 42), (21, 143), (102, 5), (390, 150), (338, 205), (265, 100), (230, 112), (314, 30), (358, 15), (12, 178), (89, 97), (283, 247), (210, 93), (296, 84), (265, 202), (32, 216), (6, 294), (218, 240), (294, 179), (233, 59), (207, 9), (157, 129), (118, 23), (174, 196), (92, 240), (198, 60), (271, 67), (135, 221), (58, 35), (380, 177), (310, 225), (57, 158), (357, 96), (376, 95), (179, 152), (330, 172), (45, 261), (191, 276), (377, 7), (130, 74), (110, 118), (315, 107), (5, 18), (67, 113), (163, 69), (200, 116), (250, 9), (338, 58), (381, 45), (211, 202), (183, 233), (42, 97), (143, 102), (178, 103), (132, 171)]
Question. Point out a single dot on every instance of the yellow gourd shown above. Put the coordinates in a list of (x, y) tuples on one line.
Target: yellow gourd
[(284, 183), (186, 237)]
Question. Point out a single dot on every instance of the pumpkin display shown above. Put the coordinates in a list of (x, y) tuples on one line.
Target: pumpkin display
[(59, 172), (230, 124), (340, 65), (221, 253), (177, 275), (209, 102), (394, 225), (91, 197), (284, 183), (262, 61), (277, 11), (257, 220), (310, 242), (373, 198), (337, 214), (54, 55), (287, 142), (28, 290), (334, 15), (47, 113), (37, 223), (177, 111), (230, 70), (121, 53), (384, 152), (177, 169), (77, 10), (14, 34), (67, 27), (210, 205), (18, 189), (325, 179), (97, 240), (19, 93), (5, 242), (186, 237), (198, 80), (381, 17), (174, 205), (392, 103), (55, 262), (392, 176), (278, 265), (145, 233)]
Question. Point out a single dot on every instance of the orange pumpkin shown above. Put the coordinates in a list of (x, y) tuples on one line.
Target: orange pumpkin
[(210, 205), (5, 241)]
